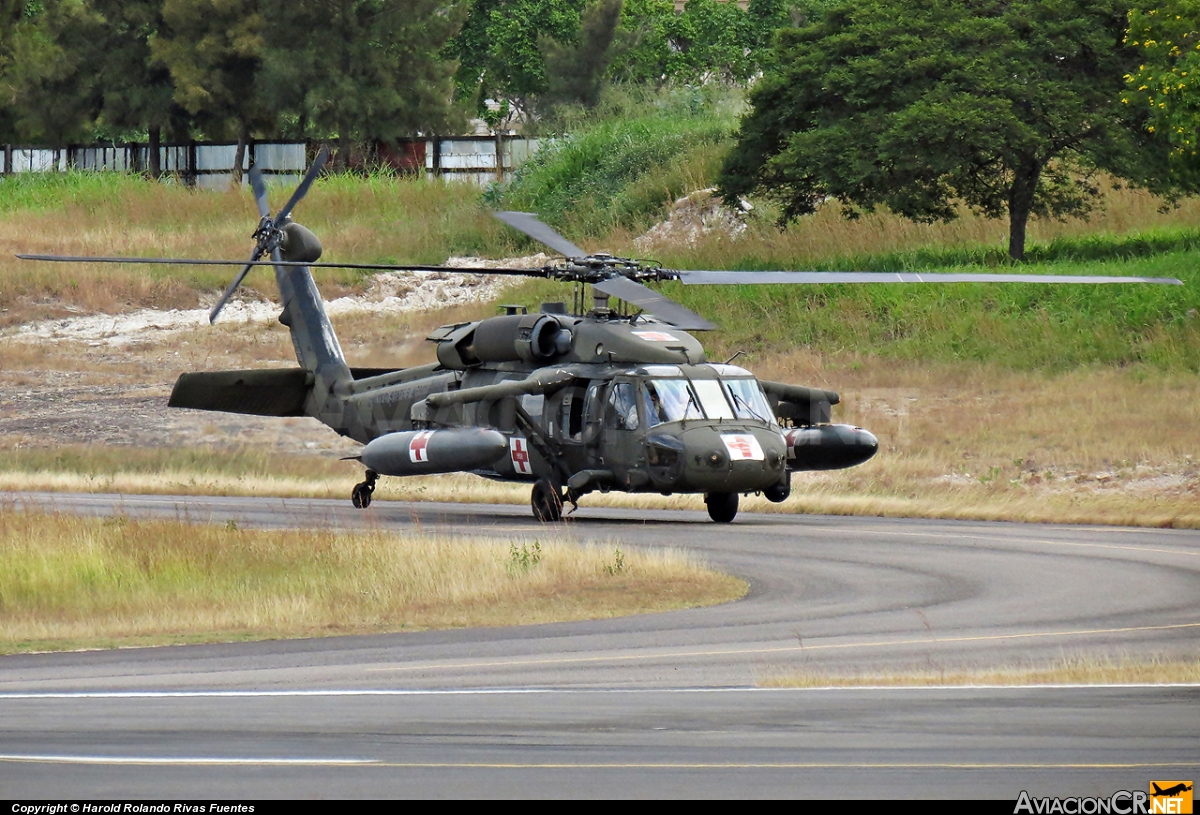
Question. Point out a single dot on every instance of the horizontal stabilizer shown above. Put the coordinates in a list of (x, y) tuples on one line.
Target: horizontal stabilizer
[(272, 392)]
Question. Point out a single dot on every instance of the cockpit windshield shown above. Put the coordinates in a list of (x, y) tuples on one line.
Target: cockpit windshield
[(669, 400), (678, 399), (712, 398), (749, 401)]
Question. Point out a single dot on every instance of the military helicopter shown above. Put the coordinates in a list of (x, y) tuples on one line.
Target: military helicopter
[(571, 401)]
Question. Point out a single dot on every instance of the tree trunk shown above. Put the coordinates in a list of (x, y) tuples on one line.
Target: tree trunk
[(1020, 204), (342, 158), (240, 155), (155, 146)]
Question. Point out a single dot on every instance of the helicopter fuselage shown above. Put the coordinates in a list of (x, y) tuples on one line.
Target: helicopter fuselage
[(596, 402)]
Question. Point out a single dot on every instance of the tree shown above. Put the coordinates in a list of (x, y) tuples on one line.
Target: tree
[(1167, 82), (642, 42), (714, 39), (12, 13), (575, 71), (1005, 106), (497, 49), (47, 84), (213, 49), (361, 70), (136, 92), (709, 39)]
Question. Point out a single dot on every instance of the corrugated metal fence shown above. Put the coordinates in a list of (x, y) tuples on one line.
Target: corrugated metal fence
[(210, 164)]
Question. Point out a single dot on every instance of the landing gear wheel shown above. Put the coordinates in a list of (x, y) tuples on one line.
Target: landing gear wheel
[(547, 501), (722, 506), (361, 496), (780, 492)]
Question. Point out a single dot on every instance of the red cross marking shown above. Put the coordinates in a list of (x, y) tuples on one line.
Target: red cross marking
[(520, 455), (742, 446), (418, 448)]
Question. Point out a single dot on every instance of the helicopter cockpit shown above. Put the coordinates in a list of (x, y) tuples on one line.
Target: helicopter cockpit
[(673, 393)]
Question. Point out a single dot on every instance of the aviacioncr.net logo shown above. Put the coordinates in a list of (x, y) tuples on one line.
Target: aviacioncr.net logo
[(1122, 802), (1164, 798)]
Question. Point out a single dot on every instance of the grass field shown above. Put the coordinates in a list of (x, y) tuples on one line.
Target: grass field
[(70, 582), (1027, 401), (1066, 671)]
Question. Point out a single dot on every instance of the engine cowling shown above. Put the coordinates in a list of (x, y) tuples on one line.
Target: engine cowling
[(520, 337)]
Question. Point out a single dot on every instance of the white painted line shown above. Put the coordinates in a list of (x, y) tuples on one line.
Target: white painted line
[(334, 693), (181, 760)]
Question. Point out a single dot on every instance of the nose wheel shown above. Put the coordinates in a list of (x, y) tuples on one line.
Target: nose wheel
[(361, 495), (722, 506), (780, 492)]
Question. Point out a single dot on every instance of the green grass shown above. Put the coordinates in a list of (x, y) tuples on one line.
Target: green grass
[(1023, 326), (68, 582), (101, 461), (622, 169), (1019, 325), (604, 183)]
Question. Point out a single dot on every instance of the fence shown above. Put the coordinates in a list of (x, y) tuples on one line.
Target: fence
[(210, 165)]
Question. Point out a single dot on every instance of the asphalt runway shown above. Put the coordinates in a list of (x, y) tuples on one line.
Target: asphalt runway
[(653, 705)]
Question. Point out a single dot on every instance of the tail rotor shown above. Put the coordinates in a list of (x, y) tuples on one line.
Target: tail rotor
[(269, 233)]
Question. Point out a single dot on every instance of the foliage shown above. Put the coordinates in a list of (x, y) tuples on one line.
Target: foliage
[(708, 40), (575, 71), (618, 564), (1167, 83), (497, 49), (522, 53), (213, 49), (136, 92), (522, 560), (360, 70), (624, 163), (1005, 106), (46, 82)]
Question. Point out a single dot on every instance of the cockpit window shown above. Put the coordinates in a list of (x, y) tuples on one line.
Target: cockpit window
[(713, 398), (669, 400), (622, 407), (749, 401)]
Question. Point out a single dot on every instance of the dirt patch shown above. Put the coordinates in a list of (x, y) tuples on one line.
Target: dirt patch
[(694, 217), (389, 293)]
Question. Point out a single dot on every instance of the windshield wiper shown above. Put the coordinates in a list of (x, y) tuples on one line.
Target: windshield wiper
[(737, 400)]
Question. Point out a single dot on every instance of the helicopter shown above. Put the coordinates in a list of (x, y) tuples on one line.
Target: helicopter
[(571, 401)]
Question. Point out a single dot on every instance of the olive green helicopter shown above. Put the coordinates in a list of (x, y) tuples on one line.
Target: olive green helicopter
[(570, 401)]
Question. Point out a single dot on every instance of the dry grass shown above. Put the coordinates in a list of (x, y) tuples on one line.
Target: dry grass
[(406, 220), (827, 234), (70, 582), (957, 441), (1067, 671)]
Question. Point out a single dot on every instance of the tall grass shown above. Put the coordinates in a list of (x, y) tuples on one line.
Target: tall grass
[(377, 219), (602, 185), (72, 582), (622, 168)]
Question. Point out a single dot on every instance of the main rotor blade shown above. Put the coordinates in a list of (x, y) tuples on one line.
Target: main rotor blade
[(309, 178), (260, 192), (381, 267), (528, 223), (706, 278), (659, 305), (237, 281)]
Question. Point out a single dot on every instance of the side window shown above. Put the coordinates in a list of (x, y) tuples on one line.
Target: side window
[(621, 412), (571, 415)]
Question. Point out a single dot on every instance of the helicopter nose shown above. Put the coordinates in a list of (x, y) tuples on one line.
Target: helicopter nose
[(742, 459)]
